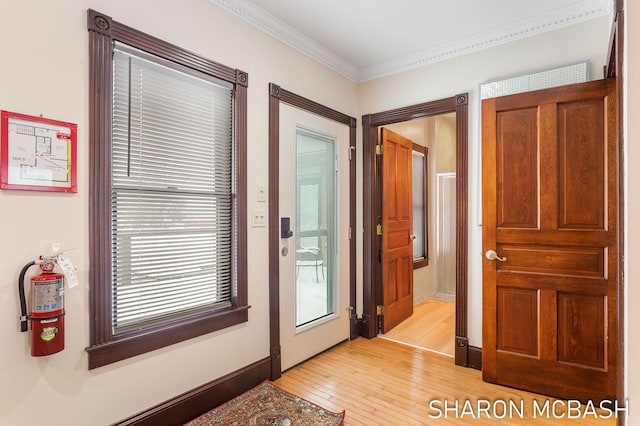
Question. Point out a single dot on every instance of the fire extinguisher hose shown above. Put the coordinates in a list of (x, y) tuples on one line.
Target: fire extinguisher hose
[(24, 325)]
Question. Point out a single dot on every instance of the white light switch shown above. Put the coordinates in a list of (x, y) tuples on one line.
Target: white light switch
[(262, 192)]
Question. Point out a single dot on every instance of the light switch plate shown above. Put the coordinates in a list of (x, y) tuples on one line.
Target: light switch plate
[(262, 192), (259, 218)]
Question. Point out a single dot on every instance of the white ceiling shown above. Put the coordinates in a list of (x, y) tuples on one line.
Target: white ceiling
[(367, 39)]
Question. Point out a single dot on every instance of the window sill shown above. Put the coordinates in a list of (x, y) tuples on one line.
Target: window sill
[(147, 340), (420, 263)]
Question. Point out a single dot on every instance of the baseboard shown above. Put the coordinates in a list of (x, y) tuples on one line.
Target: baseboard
[(475, 357), (195, 402)]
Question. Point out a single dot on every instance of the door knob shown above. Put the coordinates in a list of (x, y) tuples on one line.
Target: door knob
[(412, 237), (492, 255)]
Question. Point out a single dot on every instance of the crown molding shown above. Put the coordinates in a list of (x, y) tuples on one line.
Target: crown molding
[(284, 33), (559, 18)]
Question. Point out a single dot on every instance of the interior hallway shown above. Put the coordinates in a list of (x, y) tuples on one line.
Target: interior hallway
[(432, 327)]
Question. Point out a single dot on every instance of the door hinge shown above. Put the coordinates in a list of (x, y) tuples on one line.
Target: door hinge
[(378, 229), (379, 149), (380, 310), (349, 232)]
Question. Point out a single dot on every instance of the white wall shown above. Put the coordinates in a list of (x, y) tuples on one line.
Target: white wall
[(45, 71), (632, 203), (586, 41)]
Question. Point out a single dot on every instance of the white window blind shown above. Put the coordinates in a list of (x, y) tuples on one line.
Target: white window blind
[(172, 179), (419, 214)]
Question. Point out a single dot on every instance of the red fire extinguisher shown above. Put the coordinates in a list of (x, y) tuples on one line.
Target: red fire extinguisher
[(46, 307)]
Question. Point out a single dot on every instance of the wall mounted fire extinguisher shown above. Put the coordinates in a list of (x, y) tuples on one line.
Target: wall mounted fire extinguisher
[(46, 307)]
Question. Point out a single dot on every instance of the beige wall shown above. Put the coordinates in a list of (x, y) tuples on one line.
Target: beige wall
[(632, 202), (45, 71), (445, 143)]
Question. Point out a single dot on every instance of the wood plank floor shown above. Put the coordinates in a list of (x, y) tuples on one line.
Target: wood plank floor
[(432, 326), (380, 382)]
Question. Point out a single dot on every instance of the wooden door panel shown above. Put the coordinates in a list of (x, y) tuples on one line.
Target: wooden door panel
[(582, 152), (391, 282), (397, 223), (518, 306), (398, 291), (582, 330), (558, 260), (398, 184), (398, 281), (533, 374), (404, 200), (550, 207), (576, 285), (566, 237), (390, 193), (397, 239), (517, 157)]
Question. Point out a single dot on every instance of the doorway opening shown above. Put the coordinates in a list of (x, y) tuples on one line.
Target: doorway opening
[(372, 200), (432, 324)]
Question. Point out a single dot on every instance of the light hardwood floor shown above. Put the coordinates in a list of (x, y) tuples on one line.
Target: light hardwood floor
[(380, 382), (432, 326)]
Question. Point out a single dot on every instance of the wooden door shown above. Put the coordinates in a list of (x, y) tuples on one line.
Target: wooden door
[(549, 161), (397, 222)]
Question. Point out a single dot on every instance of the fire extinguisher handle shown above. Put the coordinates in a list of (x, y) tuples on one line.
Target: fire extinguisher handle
[(24, 325)]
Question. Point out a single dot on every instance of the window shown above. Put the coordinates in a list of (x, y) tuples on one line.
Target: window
[(168, 187), (419, 189)]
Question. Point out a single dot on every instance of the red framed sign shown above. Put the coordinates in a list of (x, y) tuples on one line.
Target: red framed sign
[(37, 154)]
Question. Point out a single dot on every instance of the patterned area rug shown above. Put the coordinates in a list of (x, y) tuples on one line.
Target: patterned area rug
[(267, 404)]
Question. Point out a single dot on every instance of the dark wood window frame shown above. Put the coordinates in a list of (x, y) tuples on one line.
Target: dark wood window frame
[(372, 204), (106, 348), (424, 261)]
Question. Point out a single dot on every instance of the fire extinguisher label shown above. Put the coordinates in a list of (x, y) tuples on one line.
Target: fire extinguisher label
[(48, 333), (46, 296)]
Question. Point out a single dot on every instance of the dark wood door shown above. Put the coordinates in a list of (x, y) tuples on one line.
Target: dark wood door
[(549, 165), (397, 222)]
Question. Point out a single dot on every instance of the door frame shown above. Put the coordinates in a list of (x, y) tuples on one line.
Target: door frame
[(372, 205), (614, 68), (276, 96)]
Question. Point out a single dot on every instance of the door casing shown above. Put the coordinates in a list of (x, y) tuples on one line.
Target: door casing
[(372, 200), (277, 95)]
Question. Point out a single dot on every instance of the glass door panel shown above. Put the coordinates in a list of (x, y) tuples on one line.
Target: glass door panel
[(316, 224)]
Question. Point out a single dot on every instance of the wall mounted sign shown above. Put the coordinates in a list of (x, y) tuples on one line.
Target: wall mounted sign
[(37, 154)]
